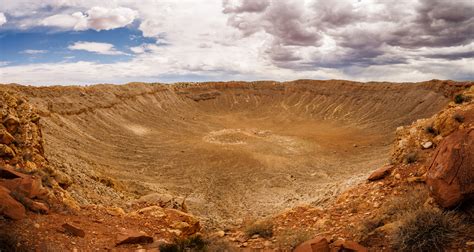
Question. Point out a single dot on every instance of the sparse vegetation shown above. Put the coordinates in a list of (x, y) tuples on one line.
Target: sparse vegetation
[(292, 238), (459, 98), (431, 130), (393, 211), (398, 206), (192, 243), (262, 228), (411, 157), (427, 230), (458, 118), (219, 245)]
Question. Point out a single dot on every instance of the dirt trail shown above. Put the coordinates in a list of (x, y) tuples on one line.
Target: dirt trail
[(234, 150)]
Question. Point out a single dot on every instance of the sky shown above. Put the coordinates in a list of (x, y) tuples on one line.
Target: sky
[(77, 42)]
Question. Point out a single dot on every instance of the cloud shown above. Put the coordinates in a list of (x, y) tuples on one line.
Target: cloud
[(245, 6), (3, 19), (144, 48), (96, 18), (347, 33), (32, 51), (397, 40), (95, 47)]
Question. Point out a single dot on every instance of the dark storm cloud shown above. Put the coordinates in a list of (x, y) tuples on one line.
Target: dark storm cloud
[(284, 20), (282, 54), (363, 35), (451, 56), (437, 24), (287, 22), (334, 14)]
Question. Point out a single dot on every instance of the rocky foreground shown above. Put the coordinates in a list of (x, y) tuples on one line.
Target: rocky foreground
[(428, 185)]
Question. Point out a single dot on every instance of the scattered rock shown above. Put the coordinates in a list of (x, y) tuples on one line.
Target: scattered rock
[(347, 246), (427, 145), (154, 211), (180, 225), (133, 237), (11, 123), (267, 244), (397, 176), (192, 223), (220, 233), (416, 179), (317, 244), (115, 211), (450, 175), (73, 230), (9, 207), (380, 173), (5, 137), (35, 206), (27, 186), (6, 151), (30, 167), (255, 236), (63, 180)]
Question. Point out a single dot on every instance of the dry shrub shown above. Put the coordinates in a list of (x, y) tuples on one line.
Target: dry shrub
[(220, 245), (411, 157), (192, 243), (401, 205), (458, 118), (392, 211), (427, 230), (292, 238), (262, 228), (459, 98), (10, 243), (431, 130)]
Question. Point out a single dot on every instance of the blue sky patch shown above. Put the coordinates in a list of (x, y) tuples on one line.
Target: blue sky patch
[(40, 46)]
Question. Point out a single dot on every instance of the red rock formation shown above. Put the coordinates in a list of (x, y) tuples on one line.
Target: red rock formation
[(451, 173), (317, 244)]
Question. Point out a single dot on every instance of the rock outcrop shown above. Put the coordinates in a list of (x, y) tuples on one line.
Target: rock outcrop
[(317, 244), (20, 190), (451, 173)]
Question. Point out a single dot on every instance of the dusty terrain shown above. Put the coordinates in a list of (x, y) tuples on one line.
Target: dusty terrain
[(225, 152), (233, 150)]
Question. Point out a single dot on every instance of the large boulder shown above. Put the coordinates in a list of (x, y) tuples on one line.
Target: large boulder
[(380, 173), (450, 175), (128, 236), (317, 244), (347, 246), (9, 207)]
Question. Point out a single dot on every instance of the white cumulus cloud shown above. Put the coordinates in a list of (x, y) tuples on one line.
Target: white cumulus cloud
[(96, 18), (96, 47), (3, 19)]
